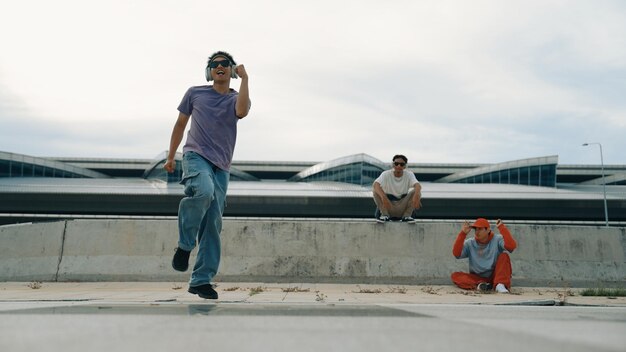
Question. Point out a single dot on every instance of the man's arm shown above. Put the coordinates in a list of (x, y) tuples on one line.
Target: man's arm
[(177, 137), (378, 189), (242, 107), (509, 242), (417, 196), (457, 248)]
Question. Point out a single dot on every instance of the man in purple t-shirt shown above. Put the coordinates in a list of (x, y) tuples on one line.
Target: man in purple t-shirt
[(207, 154)]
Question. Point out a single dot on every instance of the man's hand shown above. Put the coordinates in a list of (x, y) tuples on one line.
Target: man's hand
[(170, 165), (466, 227), (240, 70), (498, 222), (417, 196), (386, 203), (378, 190), (242, 106), (417, 202)]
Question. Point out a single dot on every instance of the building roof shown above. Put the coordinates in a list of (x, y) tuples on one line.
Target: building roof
[(546, 160), (312, 199), (615, 179), (315, 192), (155, 170), (20, 165), (339, 162)]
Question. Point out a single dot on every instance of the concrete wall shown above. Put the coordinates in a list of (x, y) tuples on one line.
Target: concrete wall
[(304, 251), (31, 251)]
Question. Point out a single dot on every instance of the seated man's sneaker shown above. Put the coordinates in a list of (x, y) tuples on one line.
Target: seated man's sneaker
[(484, 287), (180, 262), (500, 288), (205, 291), (408, 220), (382, 219)]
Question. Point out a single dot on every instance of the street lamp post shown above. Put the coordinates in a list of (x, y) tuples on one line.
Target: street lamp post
[(606, 212)]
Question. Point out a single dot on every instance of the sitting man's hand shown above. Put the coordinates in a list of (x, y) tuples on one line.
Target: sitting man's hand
[(417, 203), (466, 227), (386, 203)]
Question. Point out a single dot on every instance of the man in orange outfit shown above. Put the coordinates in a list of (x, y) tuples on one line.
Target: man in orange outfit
[(489, 262)]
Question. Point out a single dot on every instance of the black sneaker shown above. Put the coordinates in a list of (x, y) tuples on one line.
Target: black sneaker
[(382, 219), (180, 262), (409, 220), (484, 287), (205, 291)]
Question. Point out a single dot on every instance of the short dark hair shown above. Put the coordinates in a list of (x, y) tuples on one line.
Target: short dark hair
[(401, 157), (224, 54)]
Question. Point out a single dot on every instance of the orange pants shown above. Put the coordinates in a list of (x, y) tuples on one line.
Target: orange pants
[(501, 275)]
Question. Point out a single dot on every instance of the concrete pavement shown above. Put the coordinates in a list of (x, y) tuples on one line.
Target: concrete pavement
[(17, 293), (161, 316)]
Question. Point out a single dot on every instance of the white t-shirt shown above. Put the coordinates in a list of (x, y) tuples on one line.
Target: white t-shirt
[(396, 186)]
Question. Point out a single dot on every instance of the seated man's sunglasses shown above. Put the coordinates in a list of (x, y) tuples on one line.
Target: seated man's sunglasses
[(224, 63), (399, 164)]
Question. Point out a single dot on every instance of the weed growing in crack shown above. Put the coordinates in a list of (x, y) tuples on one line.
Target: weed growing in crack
[(398, 289), (604, 292), (295, 289), (35, 285), (430, 290), (320, 297), (256, 290), (367, 290)]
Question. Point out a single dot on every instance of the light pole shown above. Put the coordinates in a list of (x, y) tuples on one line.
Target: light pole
[(606, 212)]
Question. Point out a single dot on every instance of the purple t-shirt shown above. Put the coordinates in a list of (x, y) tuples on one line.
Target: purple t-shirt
[(213, 130)]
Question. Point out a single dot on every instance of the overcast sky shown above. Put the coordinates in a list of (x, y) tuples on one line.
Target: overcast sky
[(439, 81)]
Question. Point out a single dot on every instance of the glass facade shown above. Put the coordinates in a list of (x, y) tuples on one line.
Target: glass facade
[(157, 172), (538, 175), (15, 168), (359, 169), (358, 173)]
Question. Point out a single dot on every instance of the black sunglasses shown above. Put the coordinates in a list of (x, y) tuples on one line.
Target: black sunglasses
[(399, 164), (224, 63)]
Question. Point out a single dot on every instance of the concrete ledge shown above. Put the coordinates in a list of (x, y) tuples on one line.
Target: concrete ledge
[(304, 251), (31, 251)]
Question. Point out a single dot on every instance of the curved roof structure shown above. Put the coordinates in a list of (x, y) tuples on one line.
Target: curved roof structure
[(539, 171), (360, 169), (616, 179), (24, 196), (20, 165), (338, 188), (155, 170)]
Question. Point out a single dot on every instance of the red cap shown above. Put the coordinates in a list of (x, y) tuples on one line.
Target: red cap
[(481, 222)]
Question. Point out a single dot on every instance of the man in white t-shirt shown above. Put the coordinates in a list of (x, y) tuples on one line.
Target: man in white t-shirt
[(397, 192)]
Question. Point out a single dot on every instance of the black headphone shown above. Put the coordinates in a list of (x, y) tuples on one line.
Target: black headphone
[(233, 64)]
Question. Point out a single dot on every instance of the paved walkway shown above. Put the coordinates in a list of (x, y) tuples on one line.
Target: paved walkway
[(154, 292), (162, 316)]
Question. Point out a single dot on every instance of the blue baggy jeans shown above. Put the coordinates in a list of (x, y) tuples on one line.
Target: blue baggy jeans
[(200, 214)]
